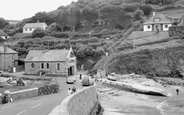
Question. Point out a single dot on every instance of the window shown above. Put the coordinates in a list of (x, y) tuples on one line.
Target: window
[(25, 29), (42, 65), (48, 65), (148, 27), (157, 19), (30, 29), (58, 66), (166, 26), (32, 65)]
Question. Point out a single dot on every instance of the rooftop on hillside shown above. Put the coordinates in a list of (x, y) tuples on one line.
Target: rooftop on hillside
[(47, 55)]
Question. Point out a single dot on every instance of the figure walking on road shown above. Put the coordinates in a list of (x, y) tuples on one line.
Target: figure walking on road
[(69, 92), (177, 91)]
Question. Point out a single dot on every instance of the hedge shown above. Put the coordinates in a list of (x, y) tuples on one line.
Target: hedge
[(48, 89)]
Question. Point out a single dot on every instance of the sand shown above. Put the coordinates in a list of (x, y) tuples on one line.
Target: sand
[(118, 102)]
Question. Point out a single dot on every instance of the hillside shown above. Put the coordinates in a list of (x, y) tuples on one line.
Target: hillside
[(163, 59), (67, 27)]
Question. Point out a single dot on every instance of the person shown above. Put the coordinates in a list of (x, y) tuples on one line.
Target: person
[(77, 89), (69, 91), (80, 76), (73, 89), (177, 91)]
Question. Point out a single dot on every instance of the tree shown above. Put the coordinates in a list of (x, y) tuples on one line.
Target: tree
[(138, 15), (38, 33), (73, 18), (147, 9), (90, 15), (124, 20), (61, 19), (111, 13), (3, 23)]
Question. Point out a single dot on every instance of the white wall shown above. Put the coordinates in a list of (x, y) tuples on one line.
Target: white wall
[(27, 30), (145, 28), (32, 29), (166, 29)]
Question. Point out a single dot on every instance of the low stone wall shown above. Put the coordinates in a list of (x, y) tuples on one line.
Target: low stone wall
[(22, 94), (80, 103)]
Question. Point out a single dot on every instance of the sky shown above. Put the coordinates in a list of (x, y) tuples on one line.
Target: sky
[(21, 9)]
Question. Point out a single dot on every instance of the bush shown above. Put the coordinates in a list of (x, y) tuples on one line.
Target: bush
[(38, 33), (59, 34), (48, 89)]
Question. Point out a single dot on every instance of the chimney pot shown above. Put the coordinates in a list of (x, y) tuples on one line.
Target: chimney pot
[(154, 13)]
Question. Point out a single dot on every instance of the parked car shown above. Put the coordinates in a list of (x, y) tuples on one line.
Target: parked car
[(70, 80), (112, 77), (87, 81)]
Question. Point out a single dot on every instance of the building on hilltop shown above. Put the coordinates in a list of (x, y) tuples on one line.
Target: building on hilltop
[(30, 27), (52, 62), (8, 58), (157, 21), (13, 22), (4, 35)]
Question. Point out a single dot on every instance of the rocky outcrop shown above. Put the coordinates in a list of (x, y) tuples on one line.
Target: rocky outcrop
[(158, 60)]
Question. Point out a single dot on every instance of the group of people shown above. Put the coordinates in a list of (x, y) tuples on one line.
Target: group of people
[(72, 90)]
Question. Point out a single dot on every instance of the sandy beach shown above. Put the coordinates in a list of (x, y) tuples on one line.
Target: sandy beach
[(118, 102)]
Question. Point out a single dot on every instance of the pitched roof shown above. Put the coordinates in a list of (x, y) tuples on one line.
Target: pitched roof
[(9, 50), (47, 55), (34, 25), (161, 19)]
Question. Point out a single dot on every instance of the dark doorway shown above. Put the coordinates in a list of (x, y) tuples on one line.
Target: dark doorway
[(71, 70)]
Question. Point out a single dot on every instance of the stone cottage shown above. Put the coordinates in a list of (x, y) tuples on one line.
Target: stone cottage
[(52, 62), (8, 58)]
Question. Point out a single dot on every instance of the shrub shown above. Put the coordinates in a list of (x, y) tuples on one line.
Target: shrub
[(38, 33), (59, 34)]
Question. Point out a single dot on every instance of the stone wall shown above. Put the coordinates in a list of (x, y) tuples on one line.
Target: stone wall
[(80, 103), (28, 93), (52, 68)]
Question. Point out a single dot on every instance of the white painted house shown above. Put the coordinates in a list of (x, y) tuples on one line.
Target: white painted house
[(157, 21), (4, 35), (30, 27)]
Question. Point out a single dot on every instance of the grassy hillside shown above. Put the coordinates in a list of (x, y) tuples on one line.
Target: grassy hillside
[(163, 59)]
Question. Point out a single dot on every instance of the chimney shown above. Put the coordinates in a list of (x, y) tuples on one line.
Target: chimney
[(154, 13)]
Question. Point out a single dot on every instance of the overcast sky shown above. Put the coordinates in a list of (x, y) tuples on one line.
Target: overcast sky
[(20, 9)]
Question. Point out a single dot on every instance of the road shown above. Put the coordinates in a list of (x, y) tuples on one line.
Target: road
[(41, 105)]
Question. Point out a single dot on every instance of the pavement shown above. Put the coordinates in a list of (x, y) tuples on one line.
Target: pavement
[(41, 105)]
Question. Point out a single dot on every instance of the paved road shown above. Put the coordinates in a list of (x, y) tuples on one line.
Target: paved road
[(41, 105)]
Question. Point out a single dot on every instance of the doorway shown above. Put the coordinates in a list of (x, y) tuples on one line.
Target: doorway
[(71, 70)]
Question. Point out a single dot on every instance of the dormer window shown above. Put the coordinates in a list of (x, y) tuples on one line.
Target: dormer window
[(157, 19)]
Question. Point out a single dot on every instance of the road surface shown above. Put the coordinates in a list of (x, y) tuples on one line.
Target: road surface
[(41, 105)]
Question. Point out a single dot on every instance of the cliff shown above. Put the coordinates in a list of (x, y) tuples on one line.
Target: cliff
[(163, 59)]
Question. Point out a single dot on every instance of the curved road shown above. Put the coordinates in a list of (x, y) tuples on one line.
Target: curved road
[(41, 105)]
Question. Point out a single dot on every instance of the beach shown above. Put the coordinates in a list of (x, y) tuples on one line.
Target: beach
[(119, 102)]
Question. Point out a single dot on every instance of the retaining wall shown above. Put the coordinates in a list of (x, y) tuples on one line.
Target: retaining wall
[(80, 103), (22, 94)]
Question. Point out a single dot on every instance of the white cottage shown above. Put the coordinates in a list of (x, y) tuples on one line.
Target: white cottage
[(157, 21), (4, 35), (30, 27)]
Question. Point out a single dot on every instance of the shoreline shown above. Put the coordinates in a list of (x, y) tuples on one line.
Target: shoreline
[(119, 102)]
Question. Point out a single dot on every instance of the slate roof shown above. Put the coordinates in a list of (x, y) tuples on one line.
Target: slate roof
[(9, 50), (34, 25), (162, 19), (47, 55)]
